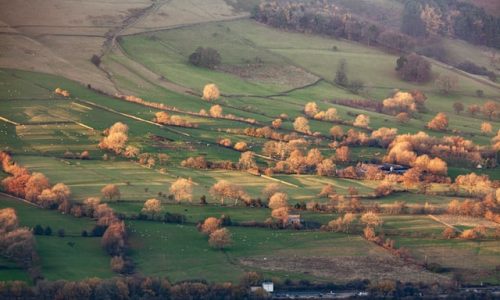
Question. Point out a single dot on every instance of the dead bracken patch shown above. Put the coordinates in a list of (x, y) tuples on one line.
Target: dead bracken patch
[(287, 76), (347, 268)]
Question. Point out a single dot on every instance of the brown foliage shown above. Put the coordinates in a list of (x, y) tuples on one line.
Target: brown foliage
[(278, 200), (211, 92), (182, 189), (439, 123), (210, 225), (111, 192), (342, 154), (151, 206), (220, 239), (113, 240)]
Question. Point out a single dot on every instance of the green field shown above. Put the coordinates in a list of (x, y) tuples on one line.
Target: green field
[(71, 257)]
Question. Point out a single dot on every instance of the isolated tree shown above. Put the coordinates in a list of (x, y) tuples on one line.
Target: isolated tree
[(403, 117), (311, 109), (205, 57), (439, 123), (151, 206), (490, 109), (211, 92), (301, 124), (270, 189), (117, 137), (342, 154), (486, 128), (362, 121), (210, 225), (220, 239), (216, 111), (182, 189), (241, 146), (111, 192), (458, 107), (278, 200), (447, 83), (341, 73)]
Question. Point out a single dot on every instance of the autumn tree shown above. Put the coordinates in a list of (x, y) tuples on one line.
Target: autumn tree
[(152, 207), (241, 146), (162, 117), (216, 111), (111, 192), (211, 92), (486, 128), (449, 233), (280, 213), (224, 189), (473, 109), (277, 123), (220, 239), (113, 239), (400, 102), (35, 185), (311, 109), (8, 220), (490, 109), (336, 132), (326, 168), (247, 161), (362, 121), (439, 123), (301, 124), (371, 219), (210, 225), (278, 200), (117, 137), (342, 154), (403, 117), (458, 107), (182, 189), (327, 191)]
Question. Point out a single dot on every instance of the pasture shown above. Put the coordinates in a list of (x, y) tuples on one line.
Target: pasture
[(71, 257)]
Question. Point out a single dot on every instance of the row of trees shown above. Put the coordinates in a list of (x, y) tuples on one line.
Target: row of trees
[(328, 19), (34, 187), (451, 18)]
